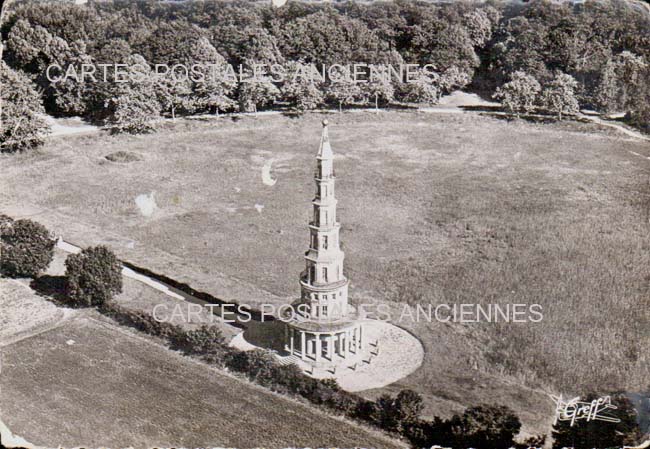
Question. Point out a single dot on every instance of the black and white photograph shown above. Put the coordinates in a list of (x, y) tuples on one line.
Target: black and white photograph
[(309, 224)]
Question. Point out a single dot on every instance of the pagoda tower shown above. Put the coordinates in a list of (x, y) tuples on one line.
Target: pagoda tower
[(324, 330)]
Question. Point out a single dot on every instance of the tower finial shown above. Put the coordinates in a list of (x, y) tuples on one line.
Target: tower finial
[(325, 151)]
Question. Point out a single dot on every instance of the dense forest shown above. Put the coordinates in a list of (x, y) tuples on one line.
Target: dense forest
[(534, 57)]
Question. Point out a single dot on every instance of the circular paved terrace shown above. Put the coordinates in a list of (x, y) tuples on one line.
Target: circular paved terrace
[(391, 353)]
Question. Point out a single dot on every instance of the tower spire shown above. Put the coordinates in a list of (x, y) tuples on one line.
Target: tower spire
[(325, 150)]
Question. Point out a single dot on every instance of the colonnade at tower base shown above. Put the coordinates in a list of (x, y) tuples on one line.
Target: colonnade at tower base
[(387, 352), (325, 347)]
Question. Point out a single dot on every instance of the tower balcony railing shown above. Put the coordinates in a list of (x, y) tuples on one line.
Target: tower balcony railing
[(318, 175), (329, 285)]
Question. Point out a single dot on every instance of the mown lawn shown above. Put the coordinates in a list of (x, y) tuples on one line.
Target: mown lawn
[(435, 208), (90, 383)]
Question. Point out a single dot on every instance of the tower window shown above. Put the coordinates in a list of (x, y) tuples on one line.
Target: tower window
[(324, 242), (324, 311), (324, 274)]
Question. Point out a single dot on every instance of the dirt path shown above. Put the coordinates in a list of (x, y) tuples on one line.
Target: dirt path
[(453, 103), (616, 126)]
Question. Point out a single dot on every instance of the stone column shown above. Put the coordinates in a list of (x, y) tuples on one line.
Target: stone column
[(286, 337), (303, 347), (345, 345), (330, 347), (357, 339), (291, 344), (360, 336), (318, 347)]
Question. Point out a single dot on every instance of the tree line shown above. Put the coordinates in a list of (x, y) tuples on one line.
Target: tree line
[(536, 56), (94, 276)]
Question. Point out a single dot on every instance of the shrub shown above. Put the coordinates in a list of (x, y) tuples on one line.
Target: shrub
[(397, 413), (519, 94), (93, 276), (141, 321), (640, 118), (323, 391), (291, 377), (5, 224), (367, 411), (486, 426), (258, 365), (206, 340), (343, 402), (27, 248)]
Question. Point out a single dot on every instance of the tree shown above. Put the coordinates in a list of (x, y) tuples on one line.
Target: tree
[(171, 43), (608, 91), (620, 82), (486, 427), (301, 88), (378, 88), (246, 44), (131, 106), (342, 89), (257, 92), (212, 82), (174, 91), (559, 95), (442, 43), (132, 111), (327, 37), (640, 117), (26, 248), (453, 78), (93, 276), (66, 95), (22, 126), (26, 46), (422, 88), (519, 94), (113, 51), (519, 46), (599, 434), (410, 405), (398, 413), (46, 57), (479, 26)]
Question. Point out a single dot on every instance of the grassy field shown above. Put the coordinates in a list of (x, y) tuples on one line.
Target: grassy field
[(90, 383), (435, 208)]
